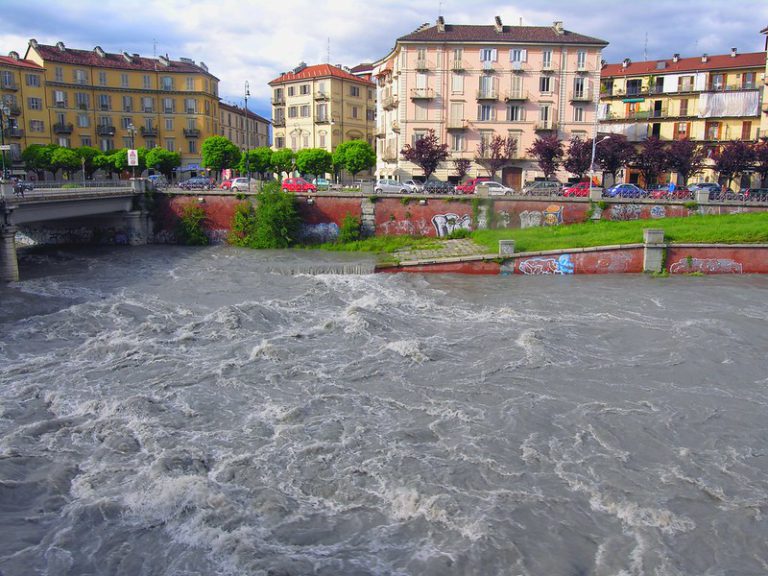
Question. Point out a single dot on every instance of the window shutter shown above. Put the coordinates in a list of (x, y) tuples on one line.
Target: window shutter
[(524, 55), (494, 55), (511, 55)]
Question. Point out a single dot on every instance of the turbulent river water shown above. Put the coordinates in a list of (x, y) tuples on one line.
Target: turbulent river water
[(179, 411)]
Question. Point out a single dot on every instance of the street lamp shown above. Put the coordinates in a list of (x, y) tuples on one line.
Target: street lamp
[(592, 162), (247, 138), (4, 111), (132, 134)]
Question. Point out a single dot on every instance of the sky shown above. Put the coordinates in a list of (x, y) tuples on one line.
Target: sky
[(256, 40)]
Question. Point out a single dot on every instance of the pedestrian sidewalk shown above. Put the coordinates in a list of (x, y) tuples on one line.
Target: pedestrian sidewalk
[(459, 248)]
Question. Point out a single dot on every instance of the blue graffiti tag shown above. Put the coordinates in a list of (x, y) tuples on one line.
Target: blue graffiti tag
[(564, 265)]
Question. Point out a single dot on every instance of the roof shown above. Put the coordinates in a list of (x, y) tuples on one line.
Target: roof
[(20, 62), (488, 33), (318, 71), (238, 110), (364, 67), (718, 62), (123, 61)]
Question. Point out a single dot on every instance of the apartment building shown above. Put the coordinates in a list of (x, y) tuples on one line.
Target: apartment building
[(321, 106), (764, 117), (471, 82), (706, 98), (244, 130), (22, 97), (111, 101)]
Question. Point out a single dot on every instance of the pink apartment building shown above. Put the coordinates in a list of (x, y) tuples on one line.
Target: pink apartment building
[(469, 82)]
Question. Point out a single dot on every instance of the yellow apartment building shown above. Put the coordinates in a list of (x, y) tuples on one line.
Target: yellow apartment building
[(112, 101), (245, 131), (764, 116), (320, 107)]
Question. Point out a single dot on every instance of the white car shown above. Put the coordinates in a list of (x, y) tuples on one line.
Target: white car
[(413, 186), (388, 186), (241, 184), (497, 189)]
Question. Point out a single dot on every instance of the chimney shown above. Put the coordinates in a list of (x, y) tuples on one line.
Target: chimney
[(734, 53), (497, 24), (626, 62), (558, 26), (60, 46), (13, 55), (675, 57), (440, 24), (33, 43), (704, 57)]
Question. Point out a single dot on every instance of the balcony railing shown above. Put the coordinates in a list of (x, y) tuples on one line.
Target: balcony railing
[(105, 130), (13, 132), (322, 120), (487, 95), (278, 122), (547, 67), (581, 68), (516, 95), (14, 109), (278, 101), (454, 124), (422, 93), (545, 125), (389, 155), (389, 102), (191, 133), (62, 128), (423, 64), (581, 96), (457, 66), (322, 95)]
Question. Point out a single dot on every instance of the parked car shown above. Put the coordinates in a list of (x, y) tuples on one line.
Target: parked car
[(726, 195), (708, 186), (197, 183), (756, 194), (497, 189), (158, 181), (542, 188), (226, 184), (388, 186), (579, 189), (414, 186), (241, 184), (298, 185), (321, 183), (438, 187), (468, 187), (663, 193), (625, 191)]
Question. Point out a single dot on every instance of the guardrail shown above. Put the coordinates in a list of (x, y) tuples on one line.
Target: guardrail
[(49, 184)]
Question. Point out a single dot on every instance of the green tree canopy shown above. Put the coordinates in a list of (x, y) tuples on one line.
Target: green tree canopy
[(260, 161), (315, 161), (120, 160), (105, 162), (89, 154), (282, 161), (219, 153), (37, 157), (354, 156), (65, 159), (163, 161)]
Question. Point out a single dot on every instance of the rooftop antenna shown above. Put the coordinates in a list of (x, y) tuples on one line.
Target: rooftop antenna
[(645, 49), (328, 52), (440, 8), (154, 47)]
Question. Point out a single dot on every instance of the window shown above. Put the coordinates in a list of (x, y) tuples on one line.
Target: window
[(293, 112), (106, 144), (86, 141), (81, 100), (518, 55), (304, 111), (581, 60), (515, 136), (102, 78), (127, 142), (354, 91), (192, 146), (545, 84), (458, 54), (291, 90), (305, 140), (170, 144), (421, 111), (83, 121), (36, 126), (279, 142), (125, 122), (105, 121), (370, 114), (717, 82), (304, 89), (457, 84), (515, 113), (105, 102), (127, 103), (166, 83), (322, 139), (746, 130), (124, 80), (488, 55), (578, 87), (60, 98), (685, 84), (169, 124), (681, 130), (33, 80), (487, 86), (485, 113), (149, 124), (578, 114), (684, 107), (278, 94), (59, 74), (457, 142), (748, 80), (370, 94), (355, 112), (190, 105), (147, 81), (169, 105), (486, 136), (79, 76), (545, 113), (64, 142), (546, 59), (417, 135), (35, 103), (321, 112), (191, 123), (147, 104)]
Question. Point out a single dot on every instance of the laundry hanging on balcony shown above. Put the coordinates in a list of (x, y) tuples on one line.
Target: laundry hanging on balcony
[(724, 104)]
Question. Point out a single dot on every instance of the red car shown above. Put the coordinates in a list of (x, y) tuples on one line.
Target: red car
[(663, 193), (298, 185), (580, 190), (227, 184), (469, 186)]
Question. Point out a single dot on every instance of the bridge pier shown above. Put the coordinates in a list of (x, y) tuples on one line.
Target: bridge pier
[(9, 264)]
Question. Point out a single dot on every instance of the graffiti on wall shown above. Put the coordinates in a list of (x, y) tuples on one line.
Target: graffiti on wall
[(530, 219), (613, 263), (446, 224), (395, 227), (706, 266), (625, 212), (321, 232), (658, 212), (552, 216), (562, 264)]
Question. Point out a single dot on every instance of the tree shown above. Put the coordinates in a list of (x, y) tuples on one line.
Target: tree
[(426, 153), (89, 154), (315, 161), (259, 160), (65, 159), (120, 160), (283, 161), (495, 154), (613, 153), (354, 156), (732, 159), (105, 162), (548, 151), (37, 158), (163, 161), (579, 159), (218, 153), (686, 158), (651, 160), (461, 166), (761, 160)]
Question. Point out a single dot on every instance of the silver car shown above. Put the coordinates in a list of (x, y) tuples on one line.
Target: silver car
[(542, 188), (497, 189), (386, 186)]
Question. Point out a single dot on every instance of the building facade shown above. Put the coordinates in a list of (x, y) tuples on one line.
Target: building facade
[(321, 106), (111, 101), (246, 131), (709, 99), (471, 82)]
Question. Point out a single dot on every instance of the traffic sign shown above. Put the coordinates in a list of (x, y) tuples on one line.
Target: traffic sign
[(133, 157), (5, 147)]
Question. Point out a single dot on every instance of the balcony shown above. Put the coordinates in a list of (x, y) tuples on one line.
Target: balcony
[(487, 66), (14, 110), (149, 132), (148, 110), (62, 128), (105, 130), (517, 66), (191, 133), (389, 155), (547, 67), (395, 126), (454, 124), (278, 122), (13, 132), (323, 119), (381, 131), (278, 101), (389, 102), (581, 68), (487, 95), (422, 94), (513, 95), (322, 95), (458, 66), (423, 65), (544, 125), (581, 96)]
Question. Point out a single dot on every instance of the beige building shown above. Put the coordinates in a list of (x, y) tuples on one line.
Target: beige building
[(764, 115), (245, 133), (320, 107)]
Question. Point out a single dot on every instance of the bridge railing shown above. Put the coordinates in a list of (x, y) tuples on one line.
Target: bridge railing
[(58, 184)]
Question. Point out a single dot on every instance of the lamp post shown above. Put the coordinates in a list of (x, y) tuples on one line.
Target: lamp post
[(247, 139), (132, 134), (4, 111)]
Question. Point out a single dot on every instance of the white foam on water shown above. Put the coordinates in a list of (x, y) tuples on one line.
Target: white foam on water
[(410, 349)]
